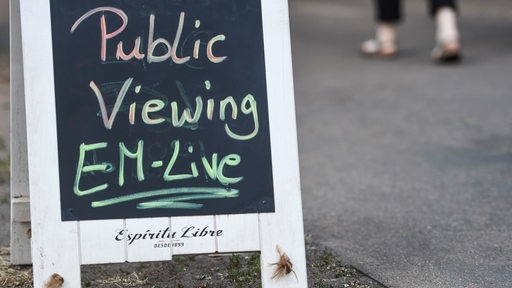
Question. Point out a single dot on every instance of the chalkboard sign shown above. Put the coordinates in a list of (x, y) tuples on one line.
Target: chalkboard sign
[(161, 108)]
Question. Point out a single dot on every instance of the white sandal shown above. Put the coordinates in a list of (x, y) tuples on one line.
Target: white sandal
[(447, 52), (373, 47)]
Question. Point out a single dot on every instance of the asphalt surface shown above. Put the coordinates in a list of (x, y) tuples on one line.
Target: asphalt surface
[(406, 165)]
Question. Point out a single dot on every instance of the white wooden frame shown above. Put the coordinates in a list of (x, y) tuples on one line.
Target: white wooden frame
[(52, 238)]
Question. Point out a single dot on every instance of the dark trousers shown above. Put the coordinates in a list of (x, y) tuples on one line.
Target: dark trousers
[(391, 10)]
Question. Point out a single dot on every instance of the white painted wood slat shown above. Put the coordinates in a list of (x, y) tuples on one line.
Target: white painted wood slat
[(239, 233), (192, 235), (146, 239), (102, 241)]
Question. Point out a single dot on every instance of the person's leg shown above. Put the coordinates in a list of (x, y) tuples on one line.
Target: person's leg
[(388, 13), (435, 5), (447, 33)]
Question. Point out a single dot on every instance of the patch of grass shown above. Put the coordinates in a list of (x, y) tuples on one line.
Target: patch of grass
[(5, 170), (330, 263), (4, 72), (244, 271), (324, 271), (4, 199), (327, 271), (133, 280), (179, 284), (181, 263)]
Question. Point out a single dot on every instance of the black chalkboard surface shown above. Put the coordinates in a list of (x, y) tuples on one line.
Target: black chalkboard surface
[(161, 108)]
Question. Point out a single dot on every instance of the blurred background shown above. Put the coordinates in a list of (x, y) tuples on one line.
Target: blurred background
[(406, 165), (4, 25), (4, 123)]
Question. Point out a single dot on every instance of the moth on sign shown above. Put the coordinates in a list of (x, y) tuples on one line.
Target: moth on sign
[(161, 108)]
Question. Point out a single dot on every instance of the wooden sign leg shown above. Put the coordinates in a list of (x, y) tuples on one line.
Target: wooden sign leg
[(283, 256), (284, 229), (55, 251), (20, 211), (283, 259)]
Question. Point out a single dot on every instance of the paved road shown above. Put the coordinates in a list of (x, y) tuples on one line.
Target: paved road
[(407, 166)]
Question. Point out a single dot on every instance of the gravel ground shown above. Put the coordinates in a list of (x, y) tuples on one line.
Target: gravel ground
[(243, 271)]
